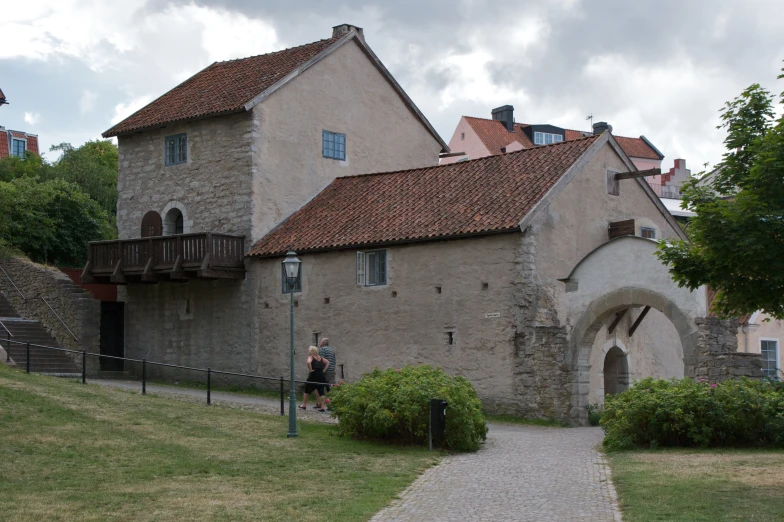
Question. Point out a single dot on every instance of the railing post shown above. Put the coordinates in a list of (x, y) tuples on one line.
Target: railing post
[(209, 374), (144, 376), (282, 395), (84, 366), (28, 356), (8, 351)]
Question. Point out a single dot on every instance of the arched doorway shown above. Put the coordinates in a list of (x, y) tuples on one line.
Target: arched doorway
[(151, 224), (616, 372), (173, 222)]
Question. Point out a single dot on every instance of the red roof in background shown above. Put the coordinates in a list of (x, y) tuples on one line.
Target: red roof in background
[(494, 135), (482, 196), (222, 87), (4, 152), (17, 134)]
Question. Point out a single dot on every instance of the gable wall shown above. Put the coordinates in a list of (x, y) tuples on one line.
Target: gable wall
[(471, 145), (213, 185), (343, 93)]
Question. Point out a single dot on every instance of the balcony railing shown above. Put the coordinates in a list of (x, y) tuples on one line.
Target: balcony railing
[(154, 259)]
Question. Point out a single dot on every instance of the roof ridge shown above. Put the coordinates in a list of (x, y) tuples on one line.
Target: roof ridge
[(483, 158), (274, 52), (564, 128)]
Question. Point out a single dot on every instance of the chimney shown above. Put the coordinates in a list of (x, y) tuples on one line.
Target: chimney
[(601, 126), (344, 29), (505, 115)]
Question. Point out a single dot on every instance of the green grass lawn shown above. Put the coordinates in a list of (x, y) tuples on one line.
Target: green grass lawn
[(75, 452), (697, 485)]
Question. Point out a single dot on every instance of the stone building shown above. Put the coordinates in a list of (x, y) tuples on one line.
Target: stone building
[(524, 271)]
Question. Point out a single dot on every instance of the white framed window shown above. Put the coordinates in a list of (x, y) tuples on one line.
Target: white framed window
[(546, 138), (18, 147), (648, 232), (769, 348), (372, 268), (176, 149)]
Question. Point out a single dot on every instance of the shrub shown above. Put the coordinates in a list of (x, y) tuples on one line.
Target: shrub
[(394, 405), (594, 414), (687, 413)]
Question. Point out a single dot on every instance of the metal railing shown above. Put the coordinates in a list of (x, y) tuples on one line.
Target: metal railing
[(42, 299), (144, 362)]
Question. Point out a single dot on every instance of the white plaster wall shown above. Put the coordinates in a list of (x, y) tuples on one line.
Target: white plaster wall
[(653, 351), (369, 326), (471, 144), (763, 327), (343, 93)]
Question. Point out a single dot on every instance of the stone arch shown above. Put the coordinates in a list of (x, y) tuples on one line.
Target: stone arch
[(175, 215), (597, 314)]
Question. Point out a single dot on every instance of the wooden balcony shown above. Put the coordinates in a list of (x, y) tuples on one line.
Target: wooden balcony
[(165, 258)]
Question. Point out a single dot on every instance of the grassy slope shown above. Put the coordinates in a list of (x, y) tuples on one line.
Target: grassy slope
[(699, 485), (75, 452)]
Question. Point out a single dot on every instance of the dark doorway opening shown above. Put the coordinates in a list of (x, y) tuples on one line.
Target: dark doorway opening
[(112, 335), (616, 372)]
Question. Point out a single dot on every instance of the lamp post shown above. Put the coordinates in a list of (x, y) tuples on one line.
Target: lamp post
[(291, 265)]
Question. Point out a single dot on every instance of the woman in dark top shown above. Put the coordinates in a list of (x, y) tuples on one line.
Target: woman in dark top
[(317, 365)]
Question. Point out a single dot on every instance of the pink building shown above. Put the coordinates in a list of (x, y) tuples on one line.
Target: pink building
[(480, 137)]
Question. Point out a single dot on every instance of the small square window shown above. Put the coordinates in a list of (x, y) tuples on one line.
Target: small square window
[(176, 149), (333, 145), (284, 282), (372, 268), (648, 232)]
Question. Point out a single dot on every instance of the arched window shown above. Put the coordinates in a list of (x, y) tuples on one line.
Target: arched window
[(616, 372), (174, 222), (151, 224)]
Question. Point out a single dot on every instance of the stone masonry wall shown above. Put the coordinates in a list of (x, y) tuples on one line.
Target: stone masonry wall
[(540, 373), (213, 186), (717, 355), (76, 306)]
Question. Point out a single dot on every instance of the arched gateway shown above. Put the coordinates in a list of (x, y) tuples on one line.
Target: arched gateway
[(624, 280)]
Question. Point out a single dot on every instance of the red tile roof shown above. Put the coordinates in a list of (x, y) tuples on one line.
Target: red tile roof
[(221, 88), (494, 135), (4, 152), (482, 196), (32, 144)]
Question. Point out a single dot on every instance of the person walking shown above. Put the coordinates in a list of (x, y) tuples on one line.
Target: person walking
[(325, 350), (316, 379)]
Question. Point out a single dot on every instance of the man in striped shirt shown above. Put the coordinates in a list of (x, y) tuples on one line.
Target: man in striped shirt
[(326, 352)]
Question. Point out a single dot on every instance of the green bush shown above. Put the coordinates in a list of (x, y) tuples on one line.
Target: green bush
[(594, 414), (394, 405), (734, 413)]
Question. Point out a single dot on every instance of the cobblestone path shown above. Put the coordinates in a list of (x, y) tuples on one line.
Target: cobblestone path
[(522, 473)]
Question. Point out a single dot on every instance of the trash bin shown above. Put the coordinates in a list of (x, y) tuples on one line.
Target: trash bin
[(437, 421)]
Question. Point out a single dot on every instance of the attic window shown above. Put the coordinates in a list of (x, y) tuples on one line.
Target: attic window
[(648, 232), (176, 149), (462, 136), (18, 148), (546, 138)]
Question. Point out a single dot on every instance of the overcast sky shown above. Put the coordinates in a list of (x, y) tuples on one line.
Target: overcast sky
[(661, 68)]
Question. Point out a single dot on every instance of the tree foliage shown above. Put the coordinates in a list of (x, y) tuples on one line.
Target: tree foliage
[(737, 236), (51, 210)]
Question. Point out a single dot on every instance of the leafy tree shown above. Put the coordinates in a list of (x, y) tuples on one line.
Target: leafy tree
[(93, 167), (32, 166), (737, 236), (52, 221)]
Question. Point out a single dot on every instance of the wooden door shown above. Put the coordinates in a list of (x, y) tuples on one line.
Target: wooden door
[(151, 224)]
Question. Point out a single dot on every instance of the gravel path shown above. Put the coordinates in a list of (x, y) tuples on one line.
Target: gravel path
[(246, 402), (522, 473)]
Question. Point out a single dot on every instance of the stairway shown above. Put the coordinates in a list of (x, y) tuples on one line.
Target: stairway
[(25, 331)]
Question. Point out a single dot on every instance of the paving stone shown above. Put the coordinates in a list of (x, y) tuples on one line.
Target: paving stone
[(521, 474)]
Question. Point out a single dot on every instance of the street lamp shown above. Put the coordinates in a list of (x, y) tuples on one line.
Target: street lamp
[(291, 266)]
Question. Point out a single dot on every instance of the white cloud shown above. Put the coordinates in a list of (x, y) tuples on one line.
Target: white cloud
[(123, 110), (31, 118), (87, 101)]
